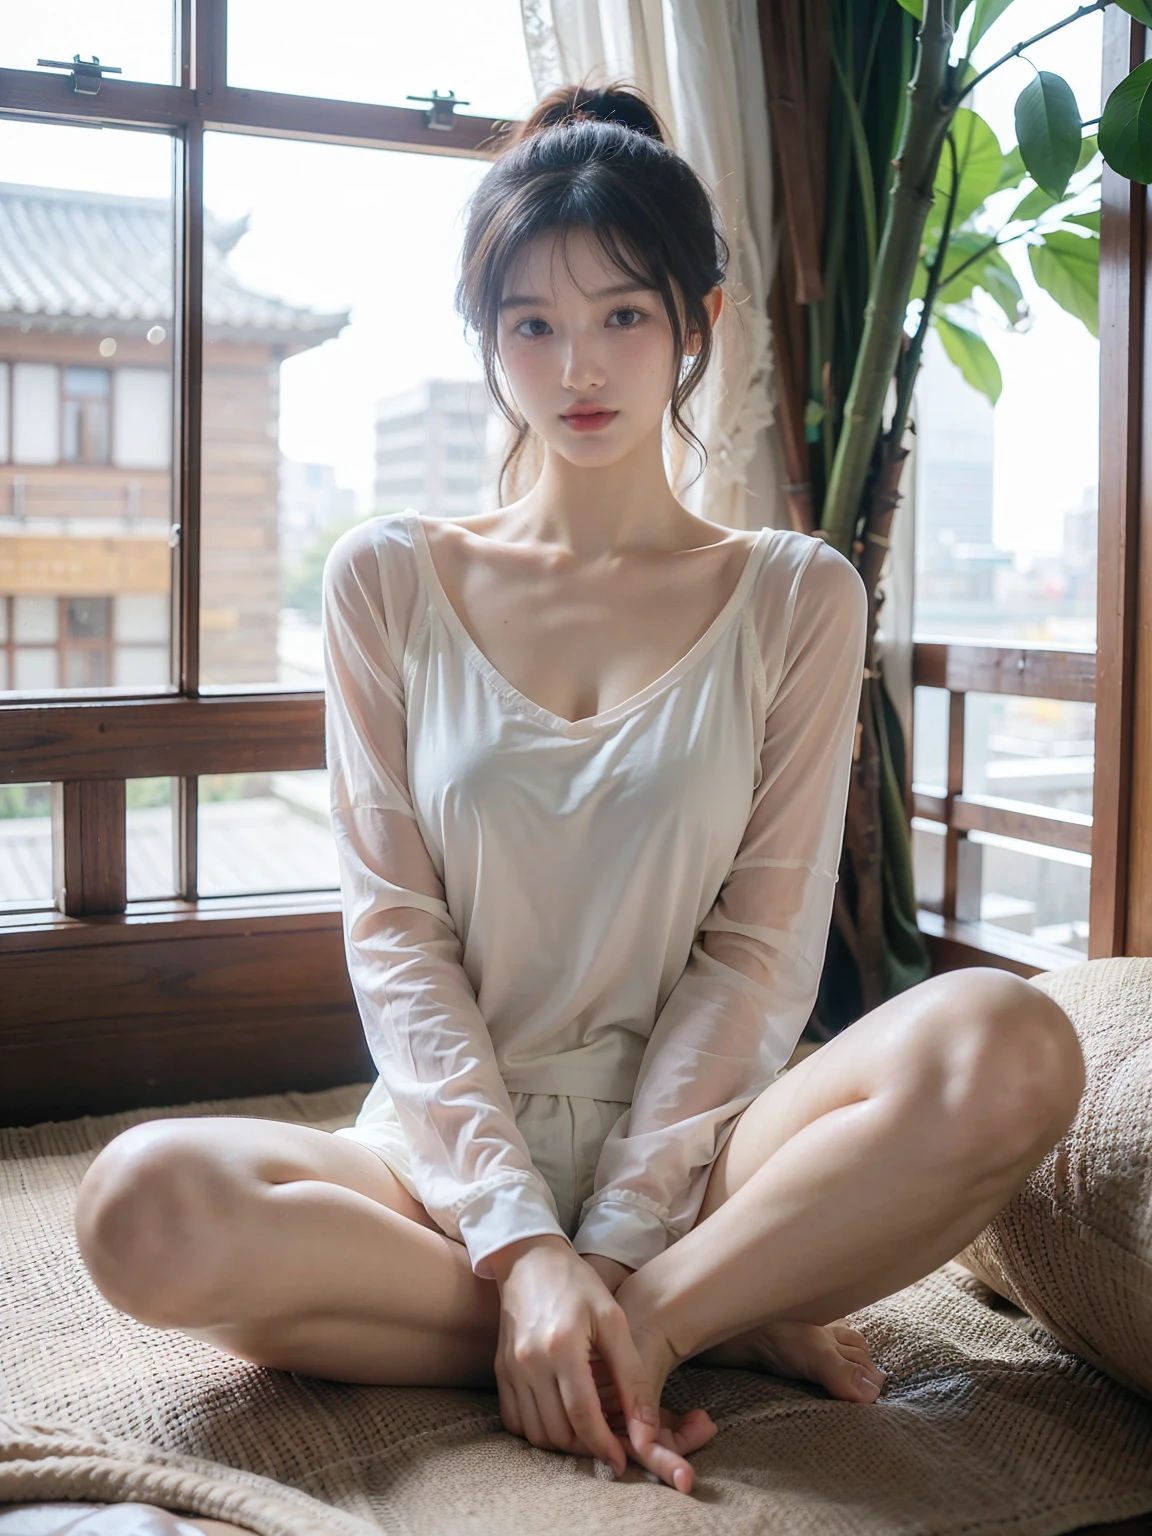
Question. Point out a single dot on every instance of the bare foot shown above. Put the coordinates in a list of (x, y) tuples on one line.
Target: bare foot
[(835, 1356)]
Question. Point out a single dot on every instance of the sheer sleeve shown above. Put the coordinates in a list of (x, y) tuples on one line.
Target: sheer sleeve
[(734, 1016), (427, 1037)]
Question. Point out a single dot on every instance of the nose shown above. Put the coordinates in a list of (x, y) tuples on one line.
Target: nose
[(583, 363)]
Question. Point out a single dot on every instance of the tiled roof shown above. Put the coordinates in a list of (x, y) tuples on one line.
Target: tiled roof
[(96, 261)]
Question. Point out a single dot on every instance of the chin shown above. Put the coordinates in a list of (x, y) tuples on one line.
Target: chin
[(597, 449)]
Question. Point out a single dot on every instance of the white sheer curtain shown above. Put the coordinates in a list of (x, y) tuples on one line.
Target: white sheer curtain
[(699, 63)]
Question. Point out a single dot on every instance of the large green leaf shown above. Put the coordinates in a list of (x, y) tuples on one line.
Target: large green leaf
[(987, 12), (979, 162), (1012, 171), (973, 356), (914, 7), (1068, 267), (1125, 133), (1138, 8), (1089, 220), (1036, 202), (984, 266), (1048, 128), (998, 280)]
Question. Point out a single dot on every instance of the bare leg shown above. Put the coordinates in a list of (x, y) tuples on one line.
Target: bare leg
[(865, 1167), (287, 1246)]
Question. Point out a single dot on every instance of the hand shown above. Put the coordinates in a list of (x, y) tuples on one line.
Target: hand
[(555, 1315), (611, 1271)]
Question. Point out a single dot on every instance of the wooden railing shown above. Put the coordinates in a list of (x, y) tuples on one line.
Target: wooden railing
[(1025, 671)]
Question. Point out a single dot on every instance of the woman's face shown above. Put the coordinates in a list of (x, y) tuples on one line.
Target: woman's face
[(576, 337)]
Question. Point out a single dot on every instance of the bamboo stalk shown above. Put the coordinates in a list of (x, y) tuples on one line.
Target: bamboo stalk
[(925, 128)]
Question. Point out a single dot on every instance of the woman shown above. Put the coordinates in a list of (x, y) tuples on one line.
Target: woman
[(589, 762)]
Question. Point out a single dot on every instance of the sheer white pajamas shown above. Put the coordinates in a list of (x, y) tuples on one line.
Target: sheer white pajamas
[(630, 908)]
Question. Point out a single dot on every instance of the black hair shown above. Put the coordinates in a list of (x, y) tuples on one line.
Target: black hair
[(595, 161)]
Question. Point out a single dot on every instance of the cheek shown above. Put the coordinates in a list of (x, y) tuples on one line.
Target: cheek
[(526, 367)]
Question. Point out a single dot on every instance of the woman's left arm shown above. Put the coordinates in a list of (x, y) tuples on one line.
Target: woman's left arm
[(731, 1023)]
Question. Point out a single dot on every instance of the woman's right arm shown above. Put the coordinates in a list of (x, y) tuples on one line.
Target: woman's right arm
[(427, 1037)]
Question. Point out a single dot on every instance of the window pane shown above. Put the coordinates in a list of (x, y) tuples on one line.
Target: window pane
[(1038, 751), (263, 832), (336, 377), (138, 35), (149, 839), (930, 739), (86, 306), (383, 50), (25, 847), (1034, 890), (1006, 496)]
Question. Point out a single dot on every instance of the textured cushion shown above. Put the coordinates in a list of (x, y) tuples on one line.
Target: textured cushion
[(1074, 1248)]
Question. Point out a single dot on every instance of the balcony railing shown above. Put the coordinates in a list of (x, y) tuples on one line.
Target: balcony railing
[(1027, 671)]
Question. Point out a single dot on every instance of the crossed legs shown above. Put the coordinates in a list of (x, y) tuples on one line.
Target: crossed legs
[(860, 1170)]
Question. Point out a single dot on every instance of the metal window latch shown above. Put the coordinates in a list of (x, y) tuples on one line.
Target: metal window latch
[(439, 114), (86, 77)]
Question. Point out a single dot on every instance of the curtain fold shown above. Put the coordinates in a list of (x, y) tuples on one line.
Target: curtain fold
[(699, 63)]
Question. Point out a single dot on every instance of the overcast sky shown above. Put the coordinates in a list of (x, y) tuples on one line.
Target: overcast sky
[(379, 232)]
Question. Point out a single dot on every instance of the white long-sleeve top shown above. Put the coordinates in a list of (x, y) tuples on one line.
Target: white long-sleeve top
[(633, 906)]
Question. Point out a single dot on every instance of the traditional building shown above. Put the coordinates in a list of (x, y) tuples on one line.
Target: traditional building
[(86, 432)]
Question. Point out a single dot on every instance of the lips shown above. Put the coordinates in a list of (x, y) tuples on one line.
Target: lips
[(588, 421)]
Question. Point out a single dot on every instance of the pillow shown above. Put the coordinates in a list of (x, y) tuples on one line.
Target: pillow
[(1074, 1248)]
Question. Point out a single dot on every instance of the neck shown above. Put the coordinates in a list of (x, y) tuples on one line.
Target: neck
[(604, 509)]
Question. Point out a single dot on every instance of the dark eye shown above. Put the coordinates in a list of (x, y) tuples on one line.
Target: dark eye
[(636, 313), (532, 321)]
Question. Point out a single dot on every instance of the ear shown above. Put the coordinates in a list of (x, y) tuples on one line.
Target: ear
[(713, 302)]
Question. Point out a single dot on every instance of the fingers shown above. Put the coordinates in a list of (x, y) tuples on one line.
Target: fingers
[(637, 1398), (581, 1405)]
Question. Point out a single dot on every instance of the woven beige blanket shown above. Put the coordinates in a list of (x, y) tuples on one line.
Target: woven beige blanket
[(984, 1425)]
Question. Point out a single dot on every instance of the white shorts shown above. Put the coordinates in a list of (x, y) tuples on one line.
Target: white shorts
[(564, 1135)]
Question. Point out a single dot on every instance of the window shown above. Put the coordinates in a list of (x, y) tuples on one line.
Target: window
[(1007, 499), (129, 572), (87, 392), (86, 486)]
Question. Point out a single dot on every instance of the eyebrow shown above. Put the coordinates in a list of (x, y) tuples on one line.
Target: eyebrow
[(604, 293)]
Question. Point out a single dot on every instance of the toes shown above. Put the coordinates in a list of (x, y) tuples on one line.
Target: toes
[(848, 1372)]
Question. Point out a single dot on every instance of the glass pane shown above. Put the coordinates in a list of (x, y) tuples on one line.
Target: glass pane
[(25, 847), (150, 839), (384, 50), (1006, 496), (930, 739), (1038, 751), (261, 832), (137, 35), (86, 305), (928, 863), (337, 381), (1034, 890)]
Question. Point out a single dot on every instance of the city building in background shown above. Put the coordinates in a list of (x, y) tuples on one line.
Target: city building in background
[(311, 503), (86, 305), (1032, 752), (432, 448)]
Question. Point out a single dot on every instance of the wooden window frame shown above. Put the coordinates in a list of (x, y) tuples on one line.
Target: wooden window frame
[(113, 1004)]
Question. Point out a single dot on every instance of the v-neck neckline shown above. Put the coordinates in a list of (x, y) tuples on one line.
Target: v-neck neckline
[(463, 639)]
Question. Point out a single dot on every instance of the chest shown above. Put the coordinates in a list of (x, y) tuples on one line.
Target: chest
[(580, 643)]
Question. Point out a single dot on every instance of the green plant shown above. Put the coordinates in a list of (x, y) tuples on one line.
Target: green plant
[(894, 230)]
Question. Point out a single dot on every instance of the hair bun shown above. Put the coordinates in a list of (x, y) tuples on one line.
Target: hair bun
[(613, 103)]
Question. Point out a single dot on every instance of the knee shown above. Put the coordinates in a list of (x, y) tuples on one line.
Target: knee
[(150, 1213), (1005, 1061)]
